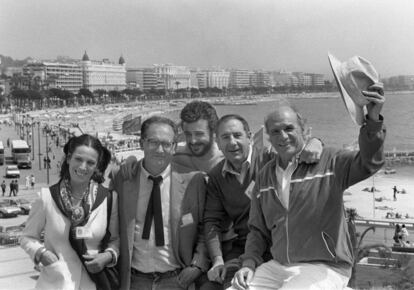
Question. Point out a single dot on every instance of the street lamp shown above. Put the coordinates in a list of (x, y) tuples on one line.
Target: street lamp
[(38, 139), (27, 130), (32, 125), (47, 155)]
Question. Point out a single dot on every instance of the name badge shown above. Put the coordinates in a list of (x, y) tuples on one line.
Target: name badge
[(249, 189), (83, 233), (187, 219)]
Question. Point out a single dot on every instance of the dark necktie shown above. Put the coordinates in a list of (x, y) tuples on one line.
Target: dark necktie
[(154, 210)]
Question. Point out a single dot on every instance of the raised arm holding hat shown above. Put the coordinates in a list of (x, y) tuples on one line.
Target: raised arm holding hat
[(297, 210), (358, 82)]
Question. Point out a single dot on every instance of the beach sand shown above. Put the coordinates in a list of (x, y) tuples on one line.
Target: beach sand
[(363, 201), (96, 118)]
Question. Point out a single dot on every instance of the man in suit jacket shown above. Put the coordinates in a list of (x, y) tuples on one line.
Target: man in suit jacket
[(168, 253)]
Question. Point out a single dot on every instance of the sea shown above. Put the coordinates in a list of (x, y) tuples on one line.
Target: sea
[(330, 121)]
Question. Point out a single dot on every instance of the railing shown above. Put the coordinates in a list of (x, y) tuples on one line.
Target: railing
[(384, 230), (399, 153), (119, 150), (399, 157), (391, 224)]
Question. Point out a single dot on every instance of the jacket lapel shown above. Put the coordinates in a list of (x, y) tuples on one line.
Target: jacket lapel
[(177, 193), (131, 192)]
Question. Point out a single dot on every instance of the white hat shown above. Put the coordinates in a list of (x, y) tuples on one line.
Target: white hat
[(354, 76)]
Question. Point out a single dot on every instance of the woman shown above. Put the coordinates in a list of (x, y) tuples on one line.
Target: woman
[(74, 214)]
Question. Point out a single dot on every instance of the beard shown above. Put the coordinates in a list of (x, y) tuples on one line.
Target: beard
[(200, 148)]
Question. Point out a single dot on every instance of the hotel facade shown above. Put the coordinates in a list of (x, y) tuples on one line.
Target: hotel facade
[(103, 75), (72, 76)]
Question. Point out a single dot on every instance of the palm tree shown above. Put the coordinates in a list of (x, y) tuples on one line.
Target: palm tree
[(361, 250)]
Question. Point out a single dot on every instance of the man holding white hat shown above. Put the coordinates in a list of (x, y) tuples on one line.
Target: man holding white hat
[(297, 209)]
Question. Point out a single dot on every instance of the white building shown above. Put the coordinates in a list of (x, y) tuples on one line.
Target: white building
[(173, 77), (65, 76), (218, 79), (239, 78), (202, 79), (103, 75)]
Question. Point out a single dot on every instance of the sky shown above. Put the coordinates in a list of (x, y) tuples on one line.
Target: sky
[(290, 35)]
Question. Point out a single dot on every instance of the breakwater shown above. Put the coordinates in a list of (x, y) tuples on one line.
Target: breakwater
[(397, 157)]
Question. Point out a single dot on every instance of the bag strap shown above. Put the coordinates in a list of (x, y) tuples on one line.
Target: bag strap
[(107, 236)]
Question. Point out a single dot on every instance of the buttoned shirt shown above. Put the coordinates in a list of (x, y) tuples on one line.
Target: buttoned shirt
[(146, 256), (228, 168)]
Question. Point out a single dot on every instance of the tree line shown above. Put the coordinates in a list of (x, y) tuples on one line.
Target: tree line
[(37, 98)]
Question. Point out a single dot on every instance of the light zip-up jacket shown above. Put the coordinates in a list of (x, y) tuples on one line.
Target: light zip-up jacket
[(313, 229)]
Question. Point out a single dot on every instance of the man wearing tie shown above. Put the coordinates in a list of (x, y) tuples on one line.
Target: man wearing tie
[(160, 215)]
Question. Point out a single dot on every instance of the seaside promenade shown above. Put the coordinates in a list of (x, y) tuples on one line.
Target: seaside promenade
[(16, 269)]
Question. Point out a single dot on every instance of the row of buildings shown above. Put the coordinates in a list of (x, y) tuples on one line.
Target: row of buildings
[(72, 75), (168, 76), (401, 82)]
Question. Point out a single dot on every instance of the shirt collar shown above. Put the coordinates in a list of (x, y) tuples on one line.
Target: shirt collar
[(164, 174), (228, 168)]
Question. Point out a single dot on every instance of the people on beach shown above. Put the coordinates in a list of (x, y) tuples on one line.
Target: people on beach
[(172, 247), (395, 192), (79, 218), (289, 197)]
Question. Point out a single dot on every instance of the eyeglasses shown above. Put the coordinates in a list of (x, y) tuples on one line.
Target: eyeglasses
[(154, 144)]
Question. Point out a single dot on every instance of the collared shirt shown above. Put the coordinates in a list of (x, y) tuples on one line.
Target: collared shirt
[(284, 176), (228, 168), (147, 257)]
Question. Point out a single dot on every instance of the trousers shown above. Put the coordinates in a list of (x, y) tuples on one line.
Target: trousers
[(272, 275)]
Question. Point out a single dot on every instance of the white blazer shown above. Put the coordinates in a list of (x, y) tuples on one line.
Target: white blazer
[(68, 273)]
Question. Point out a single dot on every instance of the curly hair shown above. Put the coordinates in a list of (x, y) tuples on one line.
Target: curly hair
[(197, 110), (104, 156)]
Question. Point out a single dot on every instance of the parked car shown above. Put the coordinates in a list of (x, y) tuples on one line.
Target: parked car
[(7, 210), (9, 235), (12, 171), (24, 205)]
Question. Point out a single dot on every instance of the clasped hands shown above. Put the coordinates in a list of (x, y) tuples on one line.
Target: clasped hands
[(95, 263)]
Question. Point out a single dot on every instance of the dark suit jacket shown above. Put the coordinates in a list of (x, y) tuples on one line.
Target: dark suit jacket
[(187, 196)]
